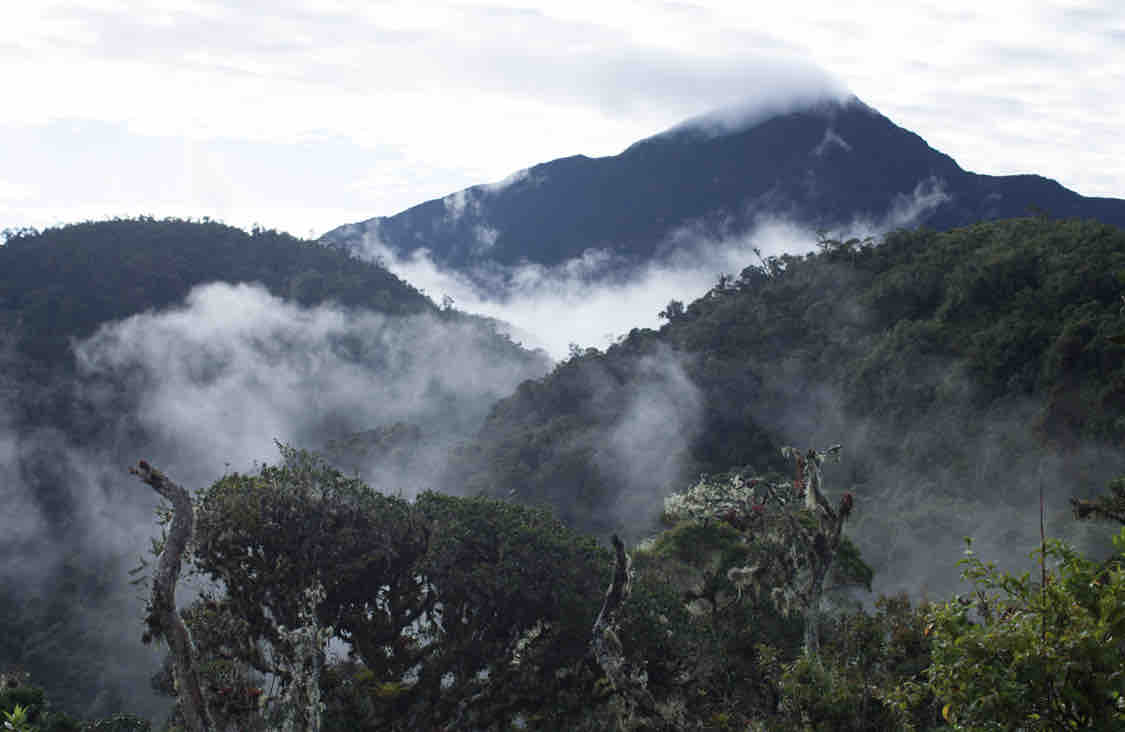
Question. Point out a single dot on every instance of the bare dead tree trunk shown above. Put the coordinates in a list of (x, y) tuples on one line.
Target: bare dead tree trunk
[(618, 588), (637, 706), (825, 541), (163, 620)]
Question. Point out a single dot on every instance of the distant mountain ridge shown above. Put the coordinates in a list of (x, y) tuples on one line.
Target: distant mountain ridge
[(825, 166), (64, 282), (100, 320)]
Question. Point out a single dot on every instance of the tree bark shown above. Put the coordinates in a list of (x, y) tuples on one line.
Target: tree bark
[(618, 587), (163, 619), (638, 707)]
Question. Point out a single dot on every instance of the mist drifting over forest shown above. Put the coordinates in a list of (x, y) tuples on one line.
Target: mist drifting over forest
[(594, 299), (518, 371)]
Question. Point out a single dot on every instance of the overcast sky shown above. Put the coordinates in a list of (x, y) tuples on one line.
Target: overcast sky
[(305, 115)]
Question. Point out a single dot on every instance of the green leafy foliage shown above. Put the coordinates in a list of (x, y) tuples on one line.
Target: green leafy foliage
[(698, 638), (62, 284), (505, 597), (17, 720), (1109, 506), (270, 537), (1016, 654), (747, 558), (450, 607), (25, 708), (854, 684), (511, 582), (29, 699)]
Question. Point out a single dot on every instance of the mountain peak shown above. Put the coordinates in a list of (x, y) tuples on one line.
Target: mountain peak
[(738, 118), (823, 162)]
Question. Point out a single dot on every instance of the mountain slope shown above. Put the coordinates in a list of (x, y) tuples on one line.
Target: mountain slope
[(194, 346), (63, 282), (960, 370), (825, 167)]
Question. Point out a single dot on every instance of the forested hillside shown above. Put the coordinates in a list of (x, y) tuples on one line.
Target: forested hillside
[(475, 613), (195, 344), (961, 368), (64, 282), (935, 385)]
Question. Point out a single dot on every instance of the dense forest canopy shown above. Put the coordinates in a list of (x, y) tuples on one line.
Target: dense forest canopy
[(963, 371), (105, 320), (64, 282), (966, 365), (478, 613)]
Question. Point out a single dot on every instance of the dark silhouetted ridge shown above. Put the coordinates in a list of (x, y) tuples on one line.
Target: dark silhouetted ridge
[(825, 167)]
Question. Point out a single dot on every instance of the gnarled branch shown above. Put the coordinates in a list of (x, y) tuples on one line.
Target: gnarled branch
[(163, 620), (636, 702)]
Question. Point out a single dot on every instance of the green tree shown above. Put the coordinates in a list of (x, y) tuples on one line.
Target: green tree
[(794, 533), (1015, 654), (674, 310), (463, 611), (864, 659), (291, 532), (725, 596), (17, 720), (1110, 507), (517, 593)]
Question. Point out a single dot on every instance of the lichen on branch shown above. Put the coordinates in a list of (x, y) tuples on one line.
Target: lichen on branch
[(794, 529)]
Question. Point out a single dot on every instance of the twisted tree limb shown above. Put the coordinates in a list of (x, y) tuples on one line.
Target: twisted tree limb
[(618, 588), (638, 707), (163, 620)]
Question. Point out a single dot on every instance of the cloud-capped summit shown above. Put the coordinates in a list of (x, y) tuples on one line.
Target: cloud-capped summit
[(826, 164)]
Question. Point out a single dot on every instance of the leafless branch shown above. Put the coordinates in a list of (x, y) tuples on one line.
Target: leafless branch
[(163, 620)]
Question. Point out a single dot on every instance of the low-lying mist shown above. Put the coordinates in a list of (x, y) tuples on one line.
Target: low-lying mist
[(207, 387), (592, 300), (219, 379), (955, 472), (199, 390)]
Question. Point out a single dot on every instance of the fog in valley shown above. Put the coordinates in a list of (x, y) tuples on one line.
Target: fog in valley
[(204, 389), (594, 299), (208, 386)]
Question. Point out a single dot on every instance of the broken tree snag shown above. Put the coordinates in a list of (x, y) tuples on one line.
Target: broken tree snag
[(825, 541), (636, 707), (618, 587), (163, 620), (605, 646)]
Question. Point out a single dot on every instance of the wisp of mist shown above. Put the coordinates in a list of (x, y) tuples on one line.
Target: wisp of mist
[(578, 302)]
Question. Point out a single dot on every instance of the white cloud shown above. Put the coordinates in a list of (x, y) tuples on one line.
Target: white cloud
[(220, 378), (648, 445), (202, 389), (12, 191), (904, 211), (592, 300), (582, 301), (831, 139), (442, 95), (458, 203)]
